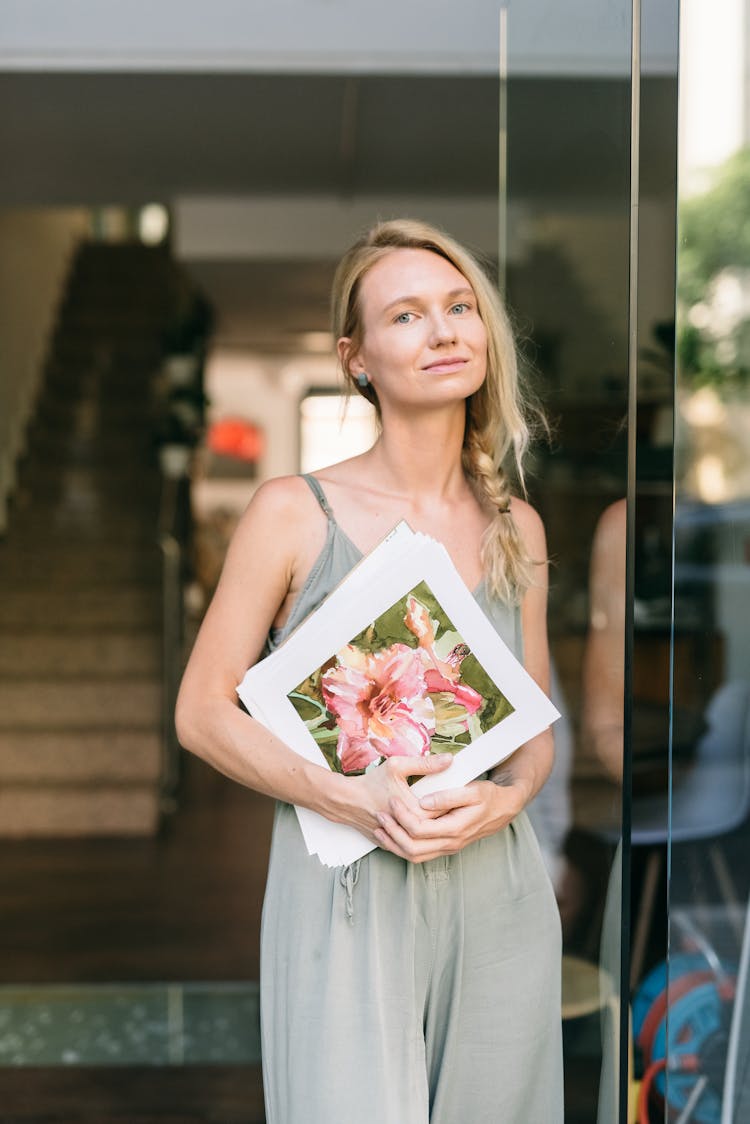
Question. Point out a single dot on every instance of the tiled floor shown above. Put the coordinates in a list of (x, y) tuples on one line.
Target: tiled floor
[(130, 1025)]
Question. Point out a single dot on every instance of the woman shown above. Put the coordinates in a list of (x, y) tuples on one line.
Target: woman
[(422, 983)]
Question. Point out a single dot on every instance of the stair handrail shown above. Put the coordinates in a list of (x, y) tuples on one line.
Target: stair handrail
[(173, 535)]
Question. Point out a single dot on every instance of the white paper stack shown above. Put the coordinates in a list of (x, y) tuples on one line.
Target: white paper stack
[(388, 574)]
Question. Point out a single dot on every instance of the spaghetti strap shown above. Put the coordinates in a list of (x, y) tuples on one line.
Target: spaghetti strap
[(319, 494)]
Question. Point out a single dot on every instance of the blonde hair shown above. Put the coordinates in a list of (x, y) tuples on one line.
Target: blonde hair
[(497, 416)]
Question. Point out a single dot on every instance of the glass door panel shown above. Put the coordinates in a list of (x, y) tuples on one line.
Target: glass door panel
[(704, 1038), (568, 96)]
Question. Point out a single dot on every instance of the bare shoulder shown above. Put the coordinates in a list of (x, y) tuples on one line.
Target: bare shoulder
[(609, 543), (612, 524), (278, 523), (282, 495), (530, 528)]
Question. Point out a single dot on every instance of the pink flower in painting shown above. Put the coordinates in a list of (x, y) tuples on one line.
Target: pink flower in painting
[(462, 693), (454, 701), (381, 703)]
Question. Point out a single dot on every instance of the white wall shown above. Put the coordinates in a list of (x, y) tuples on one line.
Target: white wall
[(35, 252)]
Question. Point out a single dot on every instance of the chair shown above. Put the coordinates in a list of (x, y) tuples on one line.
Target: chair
[(708, 800)]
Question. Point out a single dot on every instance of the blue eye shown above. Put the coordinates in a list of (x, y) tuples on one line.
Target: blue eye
[(403, 318), (462, 306)]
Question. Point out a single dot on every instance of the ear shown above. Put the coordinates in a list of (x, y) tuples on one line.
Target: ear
[(351, 364)]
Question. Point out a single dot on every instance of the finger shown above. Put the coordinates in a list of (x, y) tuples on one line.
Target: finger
[(409, 818), (447, 828), (414, 850), (383, 840), (420, 766), (387, 842), (449, 798)]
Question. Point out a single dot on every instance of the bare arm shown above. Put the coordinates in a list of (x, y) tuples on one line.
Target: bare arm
[(268, 552), (604, 655), (450, 820)]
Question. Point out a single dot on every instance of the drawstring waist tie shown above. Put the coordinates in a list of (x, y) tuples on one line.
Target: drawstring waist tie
[(348, 877)]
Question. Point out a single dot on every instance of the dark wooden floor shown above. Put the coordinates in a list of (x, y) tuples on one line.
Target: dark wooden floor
[(183, 906), (198, 1095), (212, 1095)]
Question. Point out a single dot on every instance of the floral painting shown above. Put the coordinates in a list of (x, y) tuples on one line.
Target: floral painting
[(407, 685)]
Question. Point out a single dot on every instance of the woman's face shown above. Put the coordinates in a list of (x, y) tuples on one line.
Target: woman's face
[(423, 341)]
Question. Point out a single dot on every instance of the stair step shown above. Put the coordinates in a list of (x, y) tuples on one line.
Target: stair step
[(117, 450), (129, 608), (29, 571), (122, 361), (59, 541), (97, 654), (81, 756), (109, 500), (49, 431), (57, 443), (70, 386), (120, 474), (80, 569), (79, 484), (74, 562), (105, 322), (73, 479), (99, 329), (99, 352), (87, 413), (42, 811), (126, 474), (115, 701), (110, 311), (69, 378), (134, 287), (40, 527)]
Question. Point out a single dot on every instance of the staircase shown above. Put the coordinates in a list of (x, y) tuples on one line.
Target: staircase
[(80, 571)]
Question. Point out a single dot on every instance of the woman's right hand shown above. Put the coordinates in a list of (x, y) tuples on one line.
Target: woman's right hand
[(377, 789)]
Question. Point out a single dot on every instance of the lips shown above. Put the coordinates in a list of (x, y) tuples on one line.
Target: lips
[(447, 364)]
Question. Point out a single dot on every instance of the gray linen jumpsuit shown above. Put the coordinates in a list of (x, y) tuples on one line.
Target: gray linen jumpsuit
[(406, 993)]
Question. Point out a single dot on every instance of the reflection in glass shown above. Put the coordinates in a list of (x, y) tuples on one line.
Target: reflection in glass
[(568, 198), (707, 1041)]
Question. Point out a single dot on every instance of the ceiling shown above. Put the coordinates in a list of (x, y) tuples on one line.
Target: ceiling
[(97, 139), (132, 138), (267, 306), (136, 137)]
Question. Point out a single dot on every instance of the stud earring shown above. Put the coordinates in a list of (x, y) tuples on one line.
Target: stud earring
[(362, 380)]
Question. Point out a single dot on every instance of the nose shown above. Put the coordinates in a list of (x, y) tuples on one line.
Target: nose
[(443, 330)]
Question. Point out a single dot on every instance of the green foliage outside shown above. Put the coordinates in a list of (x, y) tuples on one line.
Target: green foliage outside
[(714, 236)]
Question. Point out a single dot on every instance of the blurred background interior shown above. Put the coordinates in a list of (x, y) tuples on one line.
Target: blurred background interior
[(177, 187)]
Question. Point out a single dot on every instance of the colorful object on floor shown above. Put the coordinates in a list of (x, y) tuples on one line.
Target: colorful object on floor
[(683, 1055)]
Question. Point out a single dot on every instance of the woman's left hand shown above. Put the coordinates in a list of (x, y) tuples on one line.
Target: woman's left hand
[(449, 821)]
